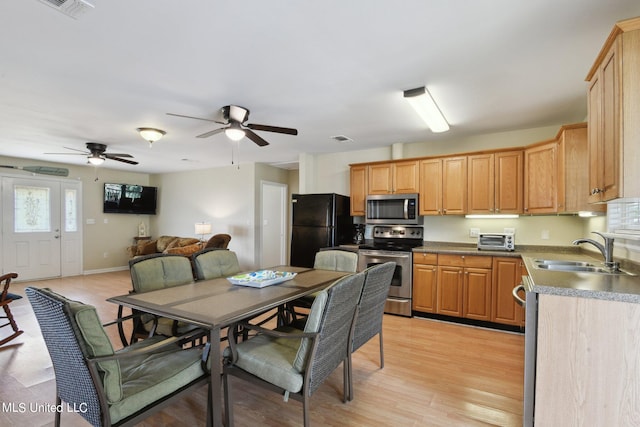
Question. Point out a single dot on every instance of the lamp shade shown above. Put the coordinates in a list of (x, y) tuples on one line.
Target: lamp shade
[(151, 134), (203, 228)]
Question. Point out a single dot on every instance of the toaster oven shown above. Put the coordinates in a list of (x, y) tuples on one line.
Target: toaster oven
[(496, 241)]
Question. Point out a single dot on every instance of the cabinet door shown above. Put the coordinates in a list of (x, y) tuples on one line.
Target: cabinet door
[(509, 185), (540, 186), (424, 287), (610, 143), (507, 274), (380, 179), (358, 190), (449, 291), (431, 187), (406, 177), (477, 294), (454, 186), (481, 184)]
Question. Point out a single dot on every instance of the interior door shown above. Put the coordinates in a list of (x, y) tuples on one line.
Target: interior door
[(274, 224), (31, 227)]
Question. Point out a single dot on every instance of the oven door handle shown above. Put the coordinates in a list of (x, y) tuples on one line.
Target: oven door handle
[(517, 297), (384, 255)]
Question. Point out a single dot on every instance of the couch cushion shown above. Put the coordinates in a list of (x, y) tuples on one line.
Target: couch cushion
[(147, 248), (186, 241)]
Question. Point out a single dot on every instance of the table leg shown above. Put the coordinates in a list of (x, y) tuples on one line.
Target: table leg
[(215, 357)]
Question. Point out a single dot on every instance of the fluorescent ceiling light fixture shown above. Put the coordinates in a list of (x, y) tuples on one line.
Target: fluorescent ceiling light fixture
[(234, 132), (421, 101), (96, 159), (497, 216), (151, 134), (586, 214)]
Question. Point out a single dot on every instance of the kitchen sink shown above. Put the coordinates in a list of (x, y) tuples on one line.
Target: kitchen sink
[(576, 267), (561, 262)]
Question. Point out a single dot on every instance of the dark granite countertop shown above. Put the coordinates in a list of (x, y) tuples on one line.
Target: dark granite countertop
[(613, 287)]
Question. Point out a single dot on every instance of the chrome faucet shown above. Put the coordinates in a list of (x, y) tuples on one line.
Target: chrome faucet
[(606, 249)]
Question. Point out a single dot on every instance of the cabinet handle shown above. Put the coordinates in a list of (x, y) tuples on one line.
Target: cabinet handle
[(596, 191)]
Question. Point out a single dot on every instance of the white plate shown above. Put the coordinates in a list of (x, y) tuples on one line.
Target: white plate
[(261, 278)]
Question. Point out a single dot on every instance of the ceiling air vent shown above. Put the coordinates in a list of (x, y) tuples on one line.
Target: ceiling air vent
[(342, 139), (72, 8)]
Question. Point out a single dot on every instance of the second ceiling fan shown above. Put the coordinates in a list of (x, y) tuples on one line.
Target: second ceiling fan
[(235, 117)]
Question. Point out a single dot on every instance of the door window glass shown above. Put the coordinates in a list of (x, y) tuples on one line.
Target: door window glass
[(32, 209), (70, 210)]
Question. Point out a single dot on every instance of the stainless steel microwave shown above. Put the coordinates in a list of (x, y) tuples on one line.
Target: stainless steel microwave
[(392, 209)]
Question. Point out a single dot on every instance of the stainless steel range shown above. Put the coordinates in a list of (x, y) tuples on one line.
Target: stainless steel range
[(394, 243)]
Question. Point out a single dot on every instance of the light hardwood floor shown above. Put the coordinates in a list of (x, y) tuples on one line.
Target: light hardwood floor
[(435, 374)]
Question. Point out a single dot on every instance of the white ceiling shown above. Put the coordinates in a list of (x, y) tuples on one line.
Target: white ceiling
[(325, 67)]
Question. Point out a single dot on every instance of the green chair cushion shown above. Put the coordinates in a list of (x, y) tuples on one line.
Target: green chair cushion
[(161, 272), (312, 325), (219, 263), (336, 260), (149, 377)]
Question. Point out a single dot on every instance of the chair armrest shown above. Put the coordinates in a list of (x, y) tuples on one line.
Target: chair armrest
[(153, 348)]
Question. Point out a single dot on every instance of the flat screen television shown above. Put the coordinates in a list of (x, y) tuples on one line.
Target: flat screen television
[(130, 199)]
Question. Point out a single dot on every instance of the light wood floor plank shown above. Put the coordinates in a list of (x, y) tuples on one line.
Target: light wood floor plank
[(435, 374)]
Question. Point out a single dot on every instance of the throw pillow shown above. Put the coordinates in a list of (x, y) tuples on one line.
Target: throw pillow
[(186, 241), (185, 250)]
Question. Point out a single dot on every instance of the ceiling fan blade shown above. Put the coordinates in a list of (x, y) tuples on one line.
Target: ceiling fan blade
[(255, 138), (196, 118), (111, 157), (72, 154), (210, 133), (118, 154), (277, 129)]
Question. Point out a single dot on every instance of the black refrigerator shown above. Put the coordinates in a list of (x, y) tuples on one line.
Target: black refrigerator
[(318, 221)]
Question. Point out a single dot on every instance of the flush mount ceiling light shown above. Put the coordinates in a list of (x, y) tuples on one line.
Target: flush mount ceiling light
[(151, 134), (95, 159), (421, 101), (234, 132)]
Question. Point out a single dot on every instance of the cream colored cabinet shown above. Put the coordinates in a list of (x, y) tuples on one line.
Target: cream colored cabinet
[(425, 274), (394, 178), (464, 286), (507, 273), (613, 95), (573, 173), (495, 183), (358, 190), (541, 178)]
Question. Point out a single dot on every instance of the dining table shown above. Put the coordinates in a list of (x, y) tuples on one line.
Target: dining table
[(217, 303)]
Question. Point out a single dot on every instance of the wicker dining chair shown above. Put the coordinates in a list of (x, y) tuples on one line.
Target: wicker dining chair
[(7, 298), (370, 311), (107, 387), (150, 273), (293, 362)]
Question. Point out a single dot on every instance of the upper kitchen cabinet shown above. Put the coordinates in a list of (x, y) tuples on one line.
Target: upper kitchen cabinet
[(495, 183), (443, 186), (541, 178), (358, 190), (573, 175), (614, 107), (394, 178)]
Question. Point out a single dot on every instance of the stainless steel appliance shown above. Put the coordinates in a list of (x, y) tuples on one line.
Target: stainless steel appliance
[(530, 304), (394, 243), (496, 241), (318, 221), (392, 209)]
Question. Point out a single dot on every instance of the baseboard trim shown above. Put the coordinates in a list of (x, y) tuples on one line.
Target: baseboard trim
[(105, 270)]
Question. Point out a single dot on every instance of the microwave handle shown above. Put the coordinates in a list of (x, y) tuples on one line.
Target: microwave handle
[(406, 208)]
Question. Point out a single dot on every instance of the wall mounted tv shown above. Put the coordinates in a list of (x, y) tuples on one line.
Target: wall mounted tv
[(130, 199)]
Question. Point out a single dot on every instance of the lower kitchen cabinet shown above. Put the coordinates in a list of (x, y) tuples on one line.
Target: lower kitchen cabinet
[(425, 273), (464, 286), (507, 273)]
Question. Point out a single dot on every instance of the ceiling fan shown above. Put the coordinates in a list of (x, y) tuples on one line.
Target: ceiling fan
[(97, 154), (235, 117)]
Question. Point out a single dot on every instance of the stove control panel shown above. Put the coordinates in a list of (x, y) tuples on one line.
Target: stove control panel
[(397, 232)]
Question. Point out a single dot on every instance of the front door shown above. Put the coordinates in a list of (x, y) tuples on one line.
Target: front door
[(31, 227)]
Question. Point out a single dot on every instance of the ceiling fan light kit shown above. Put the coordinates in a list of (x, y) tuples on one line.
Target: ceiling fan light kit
[(95, 159), (421, 101), (96, 154), (151, 134), (234, 132)]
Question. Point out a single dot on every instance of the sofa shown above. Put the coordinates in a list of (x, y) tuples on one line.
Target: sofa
[(177, 245)]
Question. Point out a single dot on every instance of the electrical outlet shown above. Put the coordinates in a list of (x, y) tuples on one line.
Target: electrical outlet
[(510, 230), (105, 255), (473, 232), (545, 235)]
